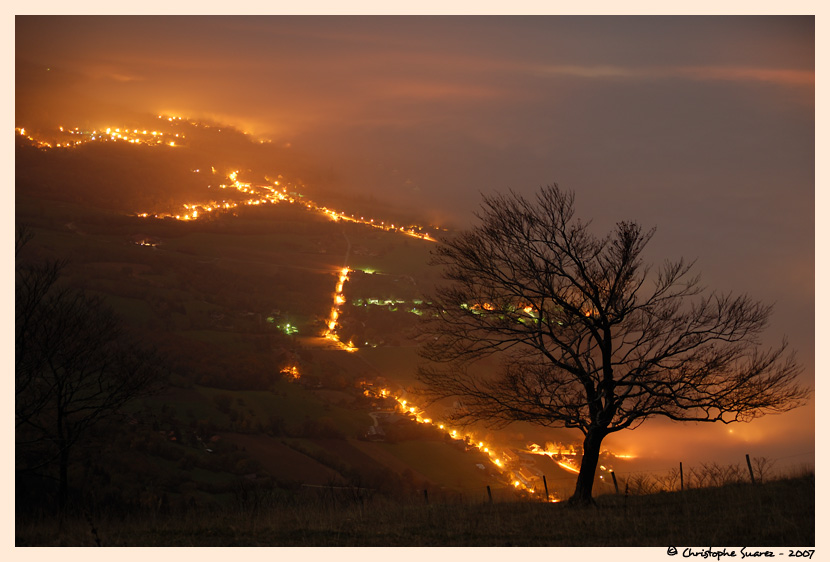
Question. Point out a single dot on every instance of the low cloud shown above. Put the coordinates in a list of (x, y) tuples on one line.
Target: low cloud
[(782, 76)]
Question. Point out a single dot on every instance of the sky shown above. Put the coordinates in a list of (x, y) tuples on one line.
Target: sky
[(700, 126)]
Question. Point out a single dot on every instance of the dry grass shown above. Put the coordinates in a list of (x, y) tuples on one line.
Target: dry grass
[(777, 513)]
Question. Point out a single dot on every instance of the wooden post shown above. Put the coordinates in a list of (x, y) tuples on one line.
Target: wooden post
[(489, 494), (614, 478), (625, 500), (681, 476), (426, 497), (545, 482), (749, 464)]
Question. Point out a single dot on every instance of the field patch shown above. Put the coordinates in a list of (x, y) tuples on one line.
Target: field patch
[(441, 463), (281, 461), (398, 364)]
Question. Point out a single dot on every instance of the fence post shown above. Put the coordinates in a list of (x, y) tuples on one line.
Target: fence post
[(749, 464), (489, 494), (426, 497), (614, 478), (545, 482), (625, 500), (681, 476)]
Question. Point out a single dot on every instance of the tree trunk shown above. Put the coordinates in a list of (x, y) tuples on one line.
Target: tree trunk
[(63, 486), (590, 459)]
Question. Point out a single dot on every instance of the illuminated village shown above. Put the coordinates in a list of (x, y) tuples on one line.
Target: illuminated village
[(261, 194)]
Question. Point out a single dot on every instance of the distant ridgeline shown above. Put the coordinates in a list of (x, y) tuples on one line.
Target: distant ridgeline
[(180, 169)]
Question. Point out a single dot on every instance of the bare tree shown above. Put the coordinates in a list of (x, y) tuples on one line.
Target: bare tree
[(74, 366), (589, 337), (763, 468)]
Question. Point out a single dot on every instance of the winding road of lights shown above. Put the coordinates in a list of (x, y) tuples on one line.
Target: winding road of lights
[(266, 194), (331, 326), (406, 407)]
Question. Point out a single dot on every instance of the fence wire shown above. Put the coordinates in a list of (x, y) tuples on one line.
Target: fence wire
[(637, 482)]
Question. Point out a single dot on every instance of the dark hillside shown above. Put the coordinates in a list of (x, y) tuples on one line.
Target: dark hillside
[(231, 302)]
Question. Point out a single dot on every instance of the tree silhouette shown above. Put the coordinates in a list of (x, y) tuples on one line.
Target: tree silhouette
[(74, 366), (588, 336)]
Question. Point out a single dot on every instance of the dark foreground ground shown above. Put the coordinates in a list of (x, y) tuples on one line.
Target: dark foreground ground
[(779, 513)]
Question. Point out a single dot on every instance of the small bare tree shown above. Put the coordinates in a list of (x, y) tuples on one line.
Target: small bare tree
[(74, 366), (763, 468), (670, 481), (589, 337)]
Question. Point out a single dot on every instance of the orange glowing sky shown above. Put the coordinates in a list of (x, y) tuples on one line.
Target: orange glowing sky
[(701, 126)]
